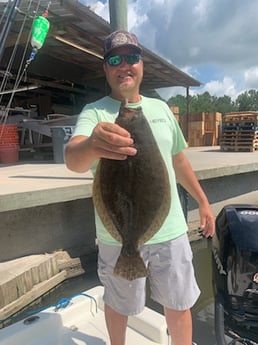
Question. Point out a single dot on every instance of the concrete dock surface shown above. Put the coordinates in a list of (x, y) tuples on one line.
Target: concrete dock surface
[(28, 184)]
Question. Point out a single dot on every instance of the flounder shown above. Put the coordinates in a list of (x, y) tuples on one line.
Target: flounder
[(132, 196)]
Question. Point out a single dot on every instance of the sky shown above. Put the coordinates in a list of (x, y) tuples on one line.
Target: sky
[(214, 41)]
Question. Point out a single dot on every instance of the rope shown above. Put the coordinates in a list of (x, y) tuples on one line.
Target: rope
[(20, 73), (10, 64)]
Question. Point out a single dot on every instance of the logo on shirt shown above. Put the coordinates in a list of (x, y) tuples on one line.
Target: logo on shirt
[(158, 121)]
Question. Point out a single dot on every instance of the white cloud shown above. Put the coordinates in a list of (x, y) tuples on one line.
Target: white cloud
[(199, 33), (220, 88), (251, 78), (100, 8), (201, 9), (168, 92), (135, 17)]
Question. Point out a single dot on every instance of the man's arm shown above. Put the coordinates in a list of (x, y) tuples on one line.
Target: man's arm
[(108, 140), (186, 177)]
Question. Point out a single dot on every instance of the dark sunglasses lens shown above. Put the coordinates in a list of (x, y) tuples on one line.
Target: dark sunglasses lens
[(114, 60), (131, 59)]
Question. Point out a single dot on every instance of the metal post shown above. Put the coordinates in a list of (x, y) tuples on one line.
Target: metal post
[(187, 112), (118, 14)]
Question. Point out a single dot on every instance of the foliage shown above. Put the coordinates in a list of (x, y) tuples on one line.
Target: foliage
[(247, 101), (180, 102)]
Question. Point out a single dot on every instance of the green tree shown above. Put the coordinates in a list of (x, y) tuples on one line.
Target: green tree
[(180, 102), (224, 105), (247, 101), (202, 102)]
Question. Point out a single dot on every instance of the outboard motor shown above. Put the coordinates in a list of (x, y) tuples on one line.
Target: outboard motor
[(235, 274)]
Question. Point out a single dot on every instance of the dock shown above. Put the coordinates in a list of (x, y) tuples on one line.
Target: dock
[(31, 184), (47, 217)]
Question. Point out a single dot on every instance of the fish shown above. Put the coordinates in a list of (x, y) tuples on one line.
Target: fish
[(133, 196)]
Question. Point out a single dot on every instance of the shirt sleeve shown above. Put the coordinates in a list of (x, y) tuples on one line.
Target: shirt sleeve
[(87, 121), (179, 142)]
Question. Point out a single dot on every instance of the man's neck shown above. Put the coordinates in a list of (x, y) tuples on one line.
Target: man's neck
[(136, 98)]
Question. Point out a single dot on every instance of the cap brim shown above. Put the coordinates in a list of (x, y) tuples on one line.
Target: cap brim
[(138, 49)]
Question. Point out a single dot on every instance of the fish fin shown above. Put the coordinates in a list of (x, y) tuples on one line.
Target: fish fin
[(130, 267), (101, 208)]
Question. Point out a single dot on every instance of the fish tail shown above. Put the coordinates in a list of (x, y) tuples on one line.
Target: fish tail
[(130, 267)]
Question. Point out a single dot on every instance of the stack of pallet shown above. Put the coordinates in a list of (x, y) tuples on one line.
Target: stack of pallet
[(240, 131), (203, 128), (175, 111)]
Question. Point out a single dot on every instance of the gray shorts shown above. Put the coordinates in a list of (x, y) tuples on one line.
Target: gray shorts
[(171, 277)]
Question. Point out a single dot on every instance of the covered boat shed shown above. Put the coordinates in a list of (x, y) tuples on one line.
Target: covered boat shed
[(69, 65)]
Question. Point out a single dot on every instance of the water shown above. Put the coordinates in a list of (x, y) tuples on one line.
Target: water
[(203, 311)]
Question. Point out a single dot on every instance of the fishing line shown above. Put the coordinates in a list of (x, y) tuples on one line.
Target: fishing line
[(5, 11), (7, 74), (16, 46), (36, 44), (11, 60)]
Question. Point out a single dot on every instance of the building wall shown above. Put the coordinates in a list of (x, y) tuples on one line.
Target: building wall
[(45, 229), (70, 225)]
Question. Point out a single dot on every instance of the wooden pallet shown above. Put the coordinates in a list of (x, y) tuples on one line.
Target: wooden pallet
[(239, 140), (239, 137), (241, 117), (239, 133), (240, 121), (243, 141), (239, 127), (238, 148)]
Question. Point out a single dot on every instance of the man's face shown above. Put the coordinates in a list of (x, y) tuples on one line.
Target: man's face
[(124, 79)]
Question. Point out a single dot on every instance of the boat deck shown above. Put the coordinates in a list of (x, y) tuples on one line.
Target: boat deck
[(82, 321)]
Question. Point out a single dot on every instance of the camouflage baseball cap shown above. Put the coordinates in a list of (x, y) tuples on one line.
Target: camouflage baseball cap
[(120, 38)]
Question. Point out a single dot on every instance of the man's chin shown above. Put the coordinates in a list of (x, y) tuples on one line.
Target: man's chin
[(126, 87)]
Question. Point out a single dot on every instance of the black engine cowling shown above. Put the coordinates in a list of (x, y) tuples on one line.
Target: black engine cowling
[(235, 268)]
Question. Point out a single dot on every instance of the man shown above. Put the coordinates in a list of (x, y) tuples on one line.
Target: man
[(168, 254)]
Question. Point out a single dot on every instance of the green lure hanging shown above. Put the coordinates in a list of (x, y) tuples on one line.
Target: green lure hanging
[(40, 29)]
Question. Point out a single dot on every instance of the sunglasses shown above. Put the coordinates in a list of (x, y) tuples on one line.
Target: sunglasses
[(116, 60)]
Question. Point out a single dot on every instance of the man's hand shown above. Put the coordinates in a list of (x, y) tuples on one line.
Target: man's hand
[(207, 226), (109, 140)]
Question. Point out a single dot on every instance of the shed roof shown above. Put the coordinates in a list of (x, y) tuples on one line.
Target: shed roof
[(71, 56)]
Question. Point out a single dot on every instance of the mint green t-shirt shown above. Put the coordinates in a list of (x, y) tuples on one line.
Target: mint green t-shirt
[(170, 141)]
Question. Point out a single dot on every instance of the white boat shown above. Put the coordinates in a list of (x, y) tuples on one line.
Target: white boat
[(80, 320)]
